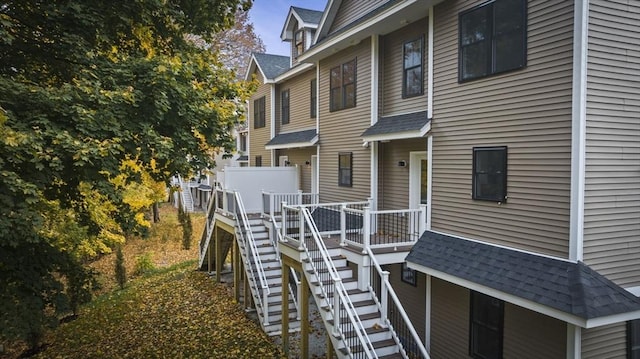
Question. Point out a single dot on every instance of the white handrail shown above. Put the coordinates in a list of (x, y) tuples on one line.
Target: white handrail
[(292, 271), (254, 255), (339, 288), (385, 281)]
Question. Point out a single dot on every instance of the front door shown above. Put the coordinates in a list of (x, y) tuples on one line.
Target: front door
[(418, 177)]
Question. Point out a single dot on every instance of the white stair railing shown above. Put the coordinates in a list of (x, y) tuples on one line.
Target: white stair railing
[(253, 263), (185, 195), (208, 230), (295, 294), (400, 326), (350, 331)]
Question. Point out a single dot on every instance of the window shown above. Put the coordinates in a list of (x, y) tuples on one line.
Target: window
[(298, 43), (343, 86), (412, 79), (487, 322), (408, 274), (258, 161), (492, 39), (490, 173), (345, 169), (284, 106), (314, 98), (242, 139), (633, 339), (259, 112)]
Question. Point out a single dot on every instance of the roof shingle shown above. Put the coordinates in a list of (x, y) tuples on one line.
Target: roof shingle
[(570, 287), (272, 65)]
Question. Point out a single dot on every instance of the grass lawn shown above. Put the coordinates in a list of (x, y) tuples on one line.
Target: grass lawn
[(169, 311)]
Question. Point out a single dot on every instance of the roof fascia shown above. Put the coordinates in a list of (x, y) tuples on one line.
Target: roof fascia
[(510, 298), (296, 70), (315, 51), (399, 135), (612, 319), (328, 15), (283, 146)]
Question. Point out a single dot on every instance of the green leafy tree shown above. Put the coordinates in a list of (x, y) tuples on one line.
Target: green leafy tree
[(86, 86)]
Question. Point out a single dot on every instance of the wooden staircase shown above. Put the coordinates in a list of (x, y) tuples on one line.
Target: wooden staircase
[(272, 269), (367, 310)]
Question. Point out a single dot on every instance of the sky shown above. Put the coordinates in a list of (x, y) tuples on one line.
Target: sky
[(268, 17)]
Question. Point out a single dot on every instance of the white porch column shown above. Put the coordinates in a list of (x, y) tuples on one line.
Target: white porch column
[(574, 341)]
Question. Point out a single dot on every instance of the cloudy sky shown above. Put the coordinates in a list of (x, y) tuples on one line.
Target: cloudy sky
[(268, 18)]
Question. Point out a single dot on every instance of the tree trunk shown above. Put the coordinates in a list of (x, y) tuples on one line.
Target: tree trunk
[(156, 213)]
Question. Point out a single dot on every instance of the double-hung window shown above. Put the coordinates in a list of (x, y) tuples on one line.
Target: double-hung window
[(493, 39), (298, 38), (345, 169), (486, 327), (412, 76), (258, 160), (259, 112), (633, 339), (490, 173), (284, 106), (343, 86), (314, 99)]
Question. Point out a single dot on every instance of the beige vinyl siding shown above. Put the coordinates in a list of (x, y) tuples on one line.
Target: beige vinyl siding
[(528, 334), (392, 63), (258, 137), (352, 10), (299, 102), (298, 157), (612, 183), (606, 342), (340, 130), (393, 187), (449, 320), (411, 297), (527, 110)]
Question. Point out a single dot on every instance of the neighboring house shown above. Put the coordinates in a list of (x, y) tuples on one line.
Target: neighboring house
[(515, 122)]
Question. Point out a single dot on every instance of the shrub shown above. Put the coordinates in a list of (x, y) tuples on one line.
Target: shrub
[(144, 263)]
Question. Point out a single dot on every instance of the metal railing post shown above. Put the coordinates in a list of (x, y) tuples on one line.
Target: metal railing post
[(343, 225), (366, 230), (265, 304), (385, 296), (300, 197), (298, 296)]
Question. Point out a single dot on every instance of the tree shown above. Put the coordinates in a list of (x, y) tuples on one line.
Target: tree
[(87, 89)]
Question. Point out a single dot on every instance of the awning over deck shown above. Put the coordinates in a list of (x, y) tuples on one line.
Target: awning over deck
[(569, 291), (410, 125), (293, 140)]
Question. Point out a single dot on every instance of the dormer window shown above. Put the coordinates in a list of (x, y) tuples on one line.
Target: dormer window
[(298, 42)]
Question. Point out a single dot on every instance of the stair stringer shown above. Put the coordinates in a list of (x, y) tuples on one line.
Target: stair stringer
[(273, 269), (369, 314)]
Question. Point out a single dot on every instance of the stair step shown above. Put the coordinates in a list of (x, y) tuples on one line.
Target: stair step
[(376, 345), (362, 317), (330, 281)]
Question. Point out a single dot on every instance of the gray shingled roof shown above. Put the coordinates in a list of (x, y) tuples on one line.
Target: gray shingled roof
[(400, 123), (272, 65), (292, 137), (308, 15), (570, 287)]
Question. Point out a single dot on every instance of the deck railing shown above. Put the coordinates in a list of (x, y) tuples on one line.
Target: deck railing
[(346, 322), (272, 202), (359, 226), (393, 313)]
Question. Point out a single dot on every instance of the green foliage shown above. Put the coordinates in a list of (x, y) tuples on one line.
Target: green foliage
[(187, 232), (144, 263), (84, 87), (120, 269)]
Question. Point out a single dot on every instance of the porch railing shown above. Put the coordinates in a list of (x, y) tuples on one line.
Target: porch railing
[(393, 313), (272, 202), (253, 263), (294, 282), (347, 326), (364, 228)]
